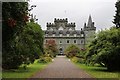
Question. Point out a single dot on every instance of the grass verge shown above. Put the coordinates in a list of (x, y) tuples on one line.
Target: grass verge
[(21, 73), (98, 72)]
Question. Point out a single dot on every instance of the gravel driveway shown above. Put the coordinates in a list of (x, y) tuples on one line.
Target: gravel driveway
[(62, 68)]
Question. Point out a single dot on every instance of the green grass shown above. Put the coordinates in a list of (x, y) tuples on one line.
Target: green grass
[(21, 73), (98, 72)]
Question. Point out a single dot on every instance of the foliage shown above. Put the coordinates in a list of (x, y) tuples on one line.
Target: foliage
[(23, 41), (51, 48), (75, 59), (117, 16), (27, 47), (98, 72), (14, 17), (13, 22), (45, 60), (105, 49), (72, 51)]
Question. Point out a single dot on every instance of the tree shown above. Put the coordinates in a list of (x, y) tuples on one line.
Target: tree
[(22, 40), (51, 47), (13, 19), (72, 51), (105, 49), (117, 16)]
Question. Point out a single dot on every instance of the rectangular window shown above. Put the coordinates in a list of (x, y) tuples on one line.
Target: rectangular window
[(68, 41), (74, 41), (60, 42), (46, 41), (82, 41)]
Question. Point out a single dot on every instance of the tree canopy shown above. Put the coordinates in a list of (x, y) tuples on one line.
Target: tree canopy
[(51, 47), (117, 15), (22, 40), (105, 49)]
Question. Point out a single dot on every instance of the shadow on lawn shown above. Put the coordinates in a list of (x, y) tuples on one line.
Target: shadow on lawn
[(102, 69), (28, 68)]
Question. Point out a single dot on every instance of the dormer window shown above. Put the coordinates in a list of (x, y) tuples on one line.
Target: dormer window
[(82, 35), (53, 35), (75, 35), (61, 28), (70, 29), (60, 35), (68, 35)]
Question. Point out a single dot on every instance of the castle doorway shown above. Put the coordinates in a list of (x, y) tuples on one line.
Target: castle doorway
[(60, 51)]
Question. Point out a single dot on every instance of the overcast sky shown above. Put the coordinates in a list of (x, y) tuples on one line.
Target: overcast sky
[(78, 11)]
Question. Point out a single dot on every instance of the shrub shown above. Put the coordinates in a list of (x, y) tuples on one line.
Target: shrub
[(72, 51), (78, 60), (105, 49), (75, 59), (45, 60)]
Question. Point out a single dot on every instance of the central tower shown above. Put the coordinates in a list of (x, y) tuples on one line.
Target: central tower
[(61, 24)]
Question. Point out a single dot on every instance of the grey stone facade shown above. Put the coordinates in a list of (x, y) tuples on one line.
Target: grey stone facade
[(64, 33)]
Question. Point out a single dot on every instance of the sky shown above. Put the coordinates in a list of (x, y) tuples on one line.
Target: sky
[(78, 11)]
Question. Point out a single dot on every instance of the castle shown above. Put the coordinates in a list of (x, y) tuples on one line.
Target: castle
[(64, 33)]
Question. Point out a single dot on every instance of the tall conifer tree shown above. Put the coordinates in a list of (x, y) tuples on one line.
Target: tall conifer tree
[(117, 15)]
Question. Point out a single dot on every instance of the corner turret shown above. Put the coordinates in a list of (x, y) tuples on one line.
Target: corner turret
[(89, 30)]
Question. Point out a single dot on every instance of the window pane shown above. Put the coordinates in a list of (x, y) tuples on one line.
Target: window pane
[(67, 41), (74, 41)]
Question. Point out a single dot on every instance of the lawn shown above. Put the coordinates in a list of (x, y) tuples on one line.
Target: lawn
[(21, 73), (98, 72)]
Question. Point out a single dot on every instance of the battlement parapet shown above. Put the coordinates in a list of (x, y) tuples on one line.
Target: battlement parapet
[(60, 20)]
